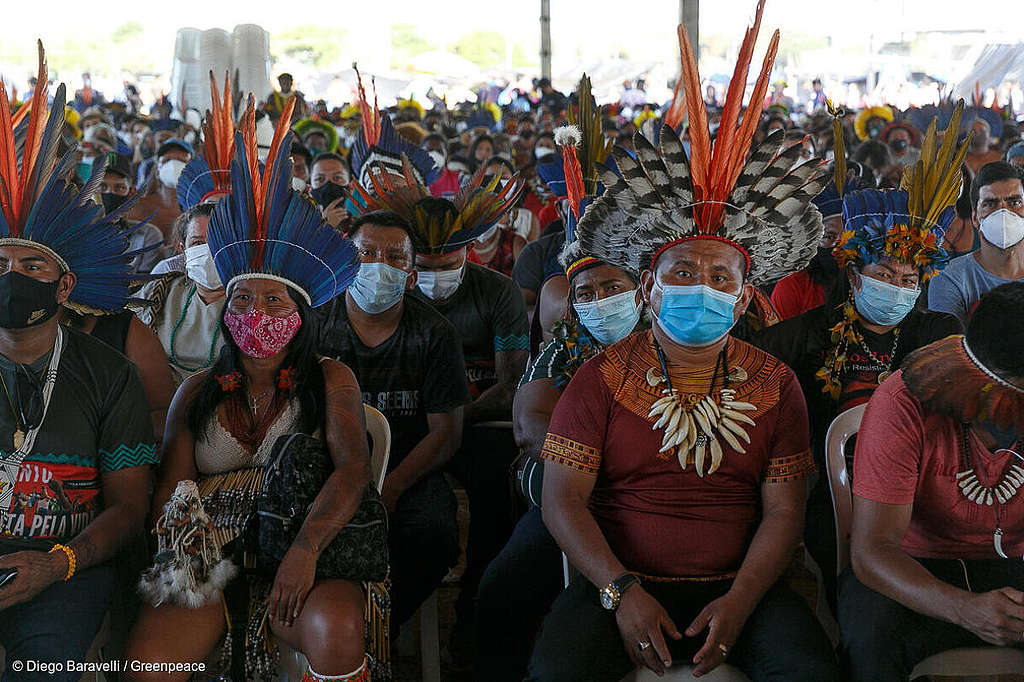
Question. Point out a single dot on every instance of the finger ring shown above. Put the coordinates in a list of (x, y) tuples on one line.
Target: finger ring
[(724, 649), (644, 646)]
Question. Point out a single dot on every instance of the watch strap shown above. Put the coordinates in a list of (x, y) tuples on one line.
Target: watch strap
[(624, 582)]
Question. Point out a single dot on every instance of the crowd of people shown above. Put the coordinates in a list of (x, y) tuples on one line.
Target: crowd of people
[(625, 337)]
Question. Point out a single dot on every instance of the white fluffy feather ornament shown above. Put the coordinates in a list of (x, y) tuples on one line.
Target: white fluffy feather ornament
[(188, 569)]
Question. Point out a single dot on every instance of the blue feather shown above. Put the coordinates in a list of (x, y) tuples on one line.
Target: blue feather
[(299, 247)]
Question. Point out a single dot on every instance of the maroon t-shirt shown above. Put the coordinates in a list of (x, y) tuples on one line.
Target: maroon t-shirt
[(906, 455), (660, 520)]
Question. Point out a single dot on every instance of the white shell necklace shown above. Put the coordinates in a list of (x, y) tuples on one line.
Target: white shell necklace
[(998, 494), (694, 425)]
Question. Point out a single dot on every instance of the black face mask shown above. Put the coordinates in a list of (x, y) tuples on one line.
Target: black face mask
[(324, 195), (112, 202), (898, 145), (823, 268), (26, 302)]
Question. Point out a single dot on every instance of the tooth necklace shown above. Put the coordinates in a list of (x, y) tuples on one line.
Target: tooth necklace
[(1004, 490), (693, 424)]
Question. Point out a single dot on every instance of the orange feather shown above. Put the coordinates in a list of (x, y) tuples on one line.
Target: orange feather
[(16, 195), (8, 165), (573, 179), (219, 134), (371, 117), (700, 137)]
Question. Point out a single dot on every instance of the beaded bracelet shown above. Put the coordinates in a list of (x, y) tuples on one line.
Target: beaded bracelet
[(70, 554)]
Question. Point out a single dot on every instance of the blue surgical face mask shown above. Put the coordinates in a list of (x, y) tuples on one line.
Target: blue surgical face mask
[(695, 315), (610, 319), (883, 304), (378, 287)]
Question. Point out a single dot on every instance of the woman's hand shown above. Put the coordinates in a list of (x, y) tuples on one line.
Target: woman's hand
[(294, 579)]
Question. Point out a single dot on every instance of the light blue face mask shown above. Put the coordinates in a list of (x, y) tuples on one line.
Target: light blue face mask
[(882, 303), (378, 287), (610, 319), (695, 315)]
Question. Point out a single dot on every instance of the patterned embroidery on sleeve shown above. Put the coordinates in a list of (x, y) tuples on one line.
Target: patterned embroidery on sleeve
[(571, 454), (782, 469), (511, 342), (123, 457)]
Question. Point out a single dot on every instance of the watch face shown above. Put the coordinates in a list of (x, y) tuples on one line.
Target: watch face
[(607, 600)]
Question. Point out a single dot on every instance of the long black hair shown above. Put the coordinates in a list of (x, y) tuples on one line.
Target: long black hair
[(308, 384)]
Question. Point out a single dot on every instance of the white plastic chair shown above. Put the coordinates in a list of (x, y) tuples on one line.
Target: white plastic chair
[(966, 662), (292, 664)]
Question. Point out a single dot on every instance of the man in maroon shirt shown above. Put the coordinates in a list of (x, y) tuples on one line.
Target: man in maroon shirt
[(938, 518), (676, 461)]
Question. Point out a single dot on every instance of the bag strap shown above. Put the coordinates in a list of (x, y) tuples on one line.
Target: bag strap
[(276, 462)]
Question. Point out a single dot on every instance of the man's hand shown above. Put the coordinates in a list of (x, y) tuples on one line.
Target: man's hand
[(724, 619), (36, 572), (641, 619), (294, 580), (335, 213), (997, 616)]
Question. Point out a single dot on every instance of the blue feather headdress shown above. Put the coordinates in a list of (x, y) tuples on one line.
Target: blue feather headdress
[(379, 146), (42, 210), (908, 225), (264, 229)]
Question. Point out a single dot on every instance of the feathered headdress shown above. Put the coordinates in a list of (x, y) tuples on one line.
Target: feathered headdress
[(907, 225), (209, 175), (761, 207), (380, 147), (437, 226), (860, 123), (41, 209), (844, 178), (264, 229), (311, 125), (948, 378)]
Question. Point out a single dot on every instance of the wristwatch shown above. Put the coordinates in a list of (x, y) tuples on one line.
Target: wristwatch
[(611, 594)]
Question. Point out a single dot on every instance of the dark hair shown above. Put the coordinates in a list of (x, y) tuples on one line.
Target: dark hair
[(991, 173), (500, 160), (873, 153), (299, 149), (301, 356), (474, 165), (182, 222), (434, 137), (996, 327), (380, 219), (328, 156)]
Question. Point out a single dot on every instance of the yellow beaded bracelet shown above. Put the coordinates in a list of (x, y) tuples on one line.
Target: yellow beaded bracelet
[(70, 554)]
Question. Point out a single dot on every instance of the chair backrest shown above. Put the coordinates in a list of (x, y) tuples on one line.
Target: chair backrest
[(380, 434), (839, 432)]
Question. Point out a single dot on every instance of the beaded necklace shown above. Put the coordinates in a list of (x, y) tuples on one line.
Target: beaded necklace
[(173, 357)]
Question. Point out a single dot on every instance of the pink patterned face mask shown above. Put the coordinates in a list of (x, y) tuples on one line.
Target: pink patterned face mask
[(259, 335)]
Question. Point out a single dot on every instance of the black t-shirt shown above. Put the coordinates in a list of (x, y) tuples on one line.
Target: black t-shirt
[(803, 343), (489, 314), (538, 261), (418, 370), (98, 421)]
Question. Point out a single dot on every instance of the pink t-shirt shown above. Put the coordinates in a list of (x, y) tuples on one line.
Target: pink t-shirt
[(906, 455)]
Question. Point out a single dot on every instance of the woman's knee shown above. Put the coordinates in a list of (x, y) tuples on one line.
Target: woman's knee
[(331, 627)]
